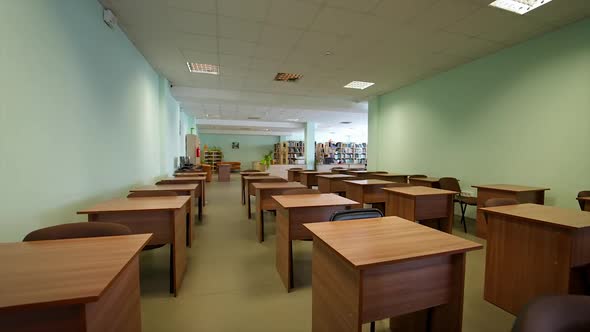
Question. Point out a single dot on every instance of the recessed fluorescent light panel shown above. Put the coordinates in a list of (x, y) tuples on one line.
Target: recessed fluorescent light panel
[(358, 85), (202, 68), (520, 7)]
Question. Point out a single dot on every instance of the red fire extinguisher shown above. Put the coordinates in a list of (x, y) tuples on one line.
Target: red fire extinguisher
[(198, 152)]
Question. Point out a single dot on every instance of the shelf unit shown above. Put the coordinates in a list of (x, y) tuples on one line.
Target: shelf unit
[(212, 158), (342, 153), (290, 153)]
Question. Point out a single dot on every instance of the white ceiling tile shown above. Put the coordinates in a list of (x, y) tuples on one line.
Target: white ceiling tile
[(279, 37), (239, 29), (200, 57), (248, 9), (362, 6), (195, 42), (271, 53), (350, 23), (233, 60), (206, 6), (236, 47), (185, 21), (402, 11), (295, 14), (445, 13)]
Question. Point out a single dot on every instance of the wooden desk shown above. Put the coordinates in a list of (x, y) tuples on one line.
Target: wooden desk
[(249, 180), (586, 201), (310, 178), (340, 171), (332, 183), (520, 193), (534, 250), (223, 172), (293, 174), (89, 284), (292, 212), (189, 179), (265, 202), (421, 204), (425, 182), (189, 189), (242, 174), (368, 191), (400, 178), (189, 174), (372, 269), (165, 217)]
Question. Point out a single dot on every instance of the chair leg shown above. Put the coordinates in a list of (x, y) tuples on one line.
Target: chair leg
[(372, 326), (171, 268), (464, 221)]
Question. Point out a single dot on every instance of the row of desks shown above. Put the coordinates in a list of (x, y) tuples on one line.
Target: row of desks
[(92, 284)]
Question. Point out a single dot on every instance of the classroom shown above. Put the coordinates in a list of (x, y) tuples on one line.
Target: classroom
[(295, 165)]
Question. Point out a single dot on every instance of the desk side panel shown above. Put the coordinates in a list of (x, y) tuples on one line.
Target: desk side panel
[(118, 309), (60, 318), (141, 222)]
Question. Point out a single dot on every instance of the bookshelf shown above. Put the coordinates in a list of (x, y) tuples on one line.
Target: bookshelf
[(290, 153), (342, 153), (212, 158)]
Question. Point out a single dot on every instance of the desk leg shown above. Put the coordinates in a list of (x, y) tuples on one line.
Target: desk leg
[(259, 219), (284, 252), (178, 249), (200, 202), (203, 193), (190, 222), (249, 206), (243, 192)]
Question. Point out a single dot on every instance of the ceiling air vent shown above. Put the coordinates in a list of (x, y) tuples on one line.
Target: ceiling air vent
[(286, 77)]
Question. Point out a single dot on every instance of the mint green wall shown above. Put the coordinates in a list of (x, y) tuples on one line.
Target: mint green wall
[(83, 116), (252, 147), (521, 116)]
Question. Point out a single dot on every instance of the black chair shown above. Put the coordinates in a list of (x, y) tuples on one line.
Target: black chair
[(357, 214), (562, 313), (77, 230), (452, 184), (585, 193)]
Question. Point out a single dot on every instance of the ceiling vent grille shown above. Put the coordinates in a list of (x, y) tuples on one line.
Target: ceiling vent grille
[(286, 77)]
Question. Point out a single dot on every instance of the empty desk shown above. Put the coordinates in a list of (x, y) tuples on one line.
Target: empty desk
[(293, 174), (292, 212), (188, 189), (372, 269), (165, 217), (421, 204), (332, 183), (189, 179), (586, 201), (400, 178), (223, 172), (309, 178), (242, 174), (249, 180), (264, 200), (89, 284), (534, 250), (522, 194), (425, 182), (368, 191)]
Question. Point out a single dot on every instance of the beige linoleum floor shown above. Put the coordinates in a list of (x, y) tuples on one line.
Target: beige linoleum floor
[(231, 283)]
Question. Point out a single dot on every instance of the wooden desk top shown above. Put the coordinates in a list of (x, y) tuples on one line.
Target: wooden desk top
[(185, 178), (263, 177), (61, 272), (391, 174), (360, 172), (166, 187), (585, 199), (312, 200), (369, 182), (254, 173), (555, 216), (315, 172), (190, 174), (278, 185), (337, 176), (510, 187), (427, 179), (419, 191), (138, 204), (370, 242)]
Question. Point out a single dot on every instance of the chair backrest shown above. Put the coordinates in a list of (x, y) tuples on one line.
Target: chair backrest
[(500, 202), (356, 214), (584, 193), (78, 230), (252, 170), (151, 194), (417, 176), (335, 168), (381, 172), (356, 169), (563, 313), (302, 191), (451, 184)]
